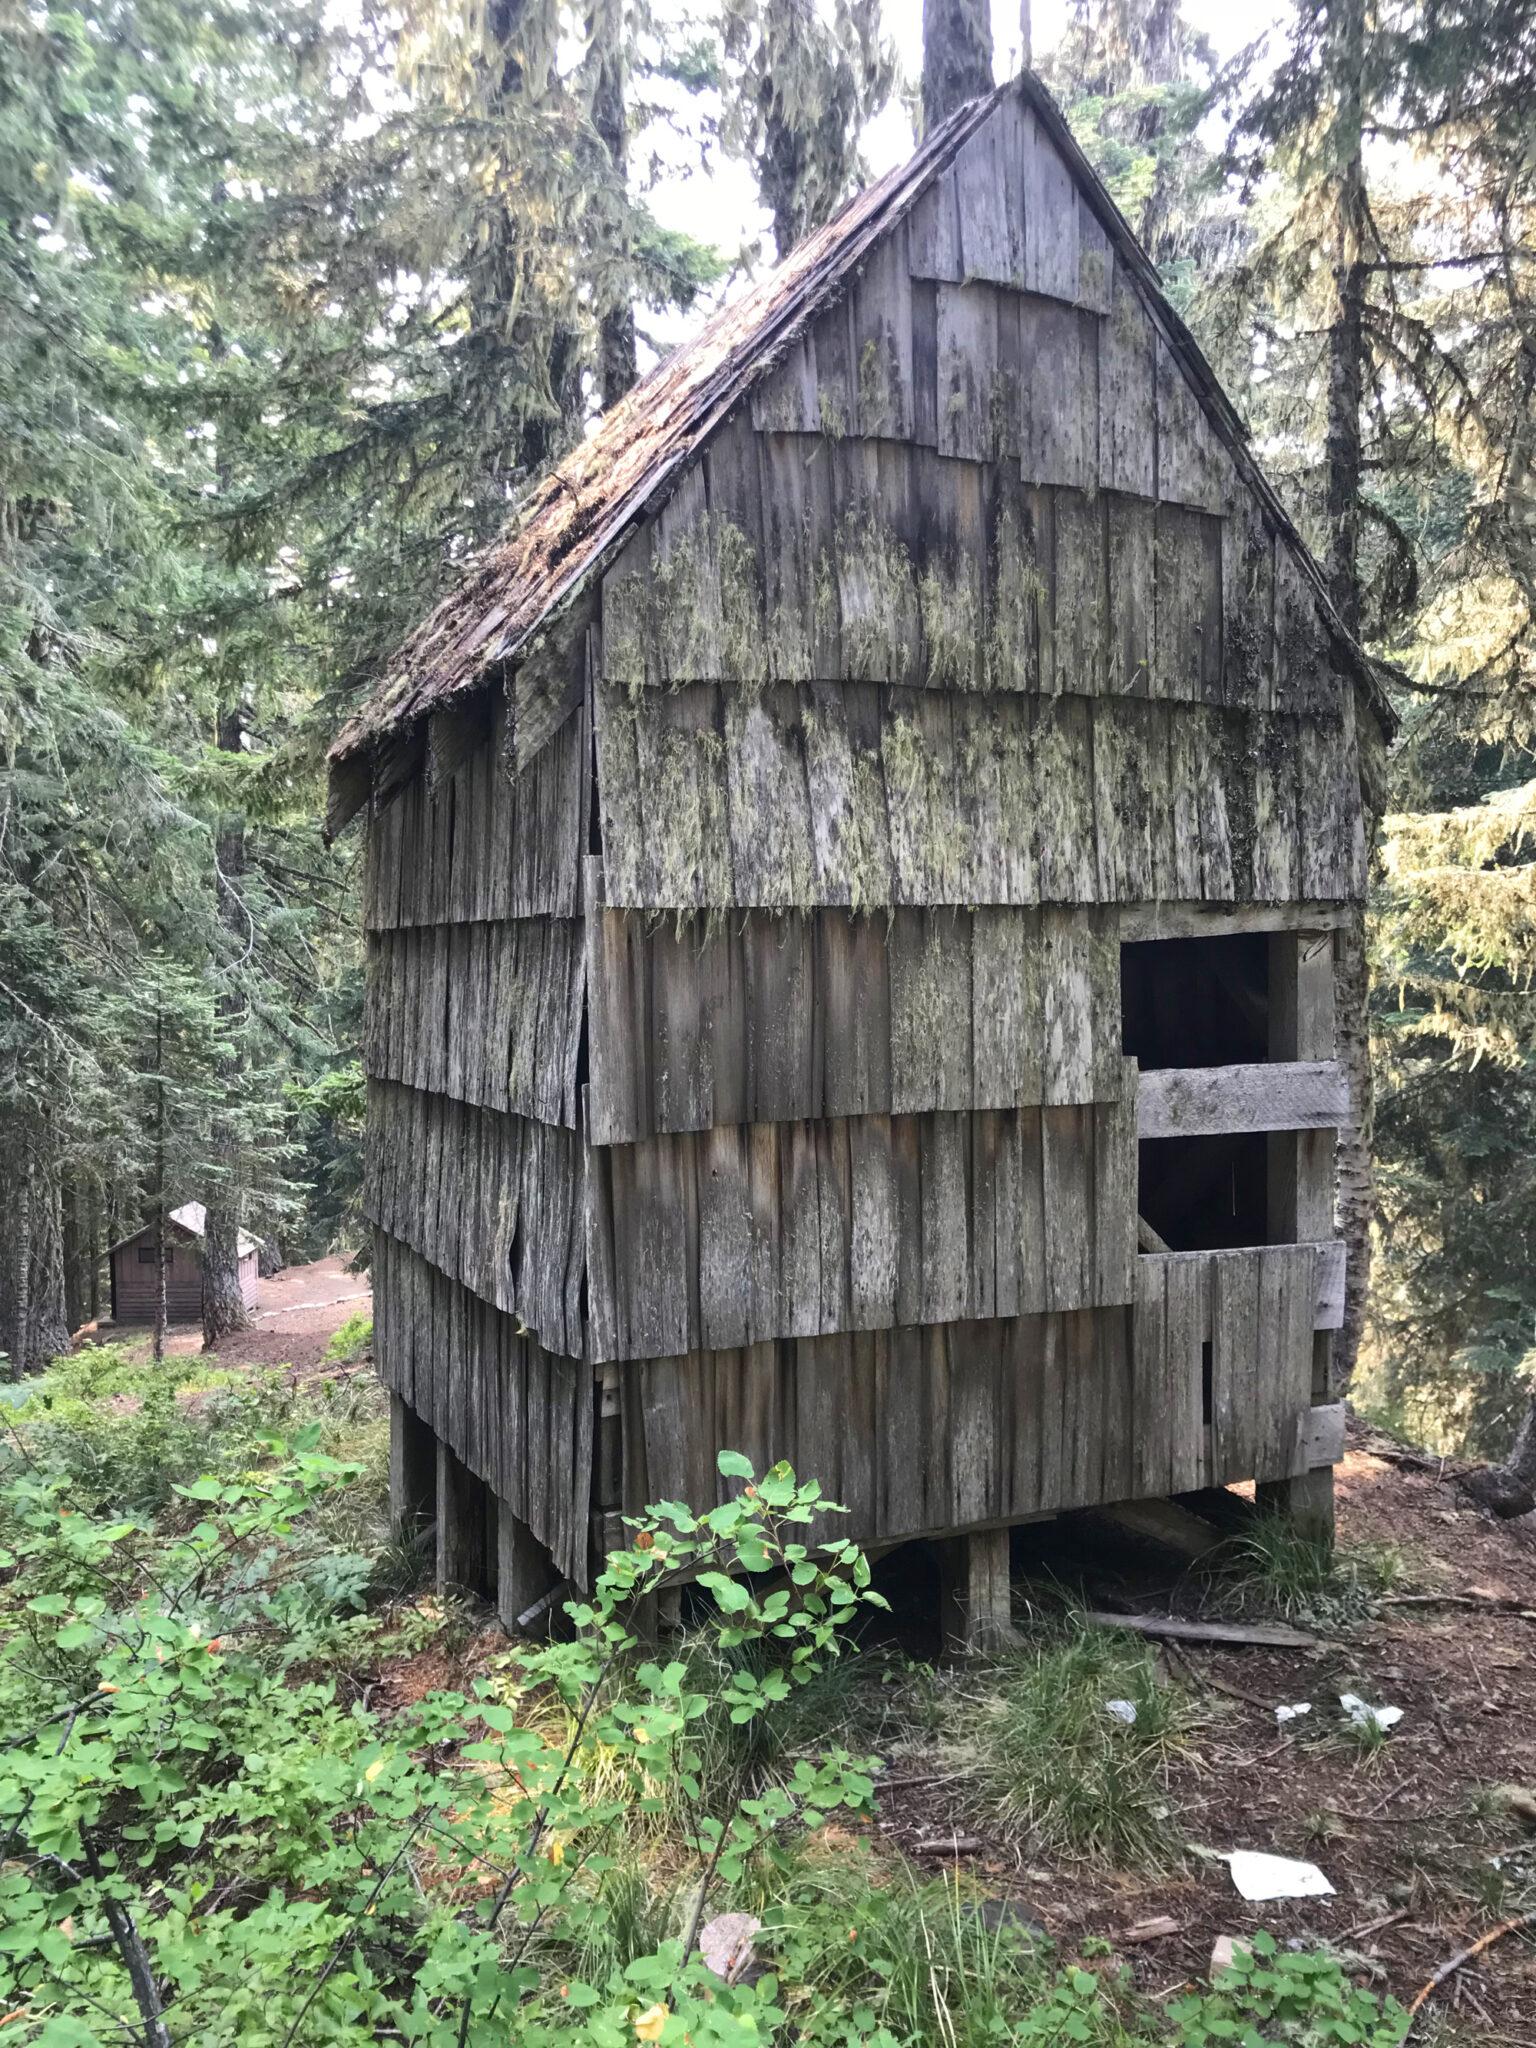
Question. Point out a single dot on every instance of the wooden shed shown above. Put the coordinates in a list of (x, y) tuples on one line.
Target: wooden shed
[(852, 884), (133, 1269)]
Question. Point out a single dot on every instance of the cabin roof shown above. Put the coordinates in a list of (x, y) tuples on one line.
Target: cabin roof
[(191, 1219), (583, 510)]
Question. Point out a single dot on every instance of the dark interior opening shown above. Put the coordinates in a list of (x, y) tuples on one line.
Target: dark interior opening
[(1199, 1003), (1196, 1002)]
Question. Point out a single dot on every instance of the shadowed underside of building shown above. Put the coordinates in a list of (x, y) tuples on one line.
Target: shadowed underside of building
[(852, 886)]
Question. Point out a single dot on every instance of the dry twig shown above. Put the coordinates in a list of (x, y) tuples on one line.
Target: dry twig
[(1459, 1961)]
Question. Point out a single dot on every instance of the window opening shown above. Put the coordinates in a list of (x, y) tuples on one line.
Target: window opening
[(1199, 1003)]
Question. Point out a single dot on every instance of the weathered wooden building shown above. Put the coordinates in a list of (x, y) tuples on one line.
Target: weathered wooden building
[(851, 891), (135, 1284)]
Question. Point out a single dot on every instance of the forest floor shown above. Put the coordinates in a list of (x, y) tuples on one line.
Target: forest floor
[(1427, 1834), (297, 1313)]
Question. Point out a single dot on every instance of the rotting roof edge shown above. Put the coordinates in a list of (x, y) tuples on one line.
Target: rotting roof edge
[(883, 205)]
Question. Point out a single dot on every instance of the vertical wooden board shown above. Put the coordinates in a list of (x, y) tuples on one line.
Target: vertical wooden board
[(1189, 1322), (785, 401), (1008, 399), (797, 543), (618, 1104), (975, 1451), (1007, 1028), (846, 784), (876, 581), (882, 339), (1084, 1404), (853, 993), (1018, 589), (1070, 1026), (1066, 1142), (724, 1236), (901, 1489), (1186, 738), (1132, 570), (925, 364), (1276, 844), (1234, 1365), (873, 1224), (549, 826), (686, 851), (933, 231), (1305, 678), (1050, 217), (991, 245), (928, 952), (684, 587), (1053, 1378), (1180, 621), (1081, 617), (1152, 1420), (907, 1235), (1126, 401), (1225, 799), (679, 1055), (1095, 260), (967, 345), (781, 1003), (1122, 809), (1059, 394), (618, 786), (1019, 1394), (765, 1318), (1114, 1193), (988, 1133), (773, 848), (834, 1198), (1247, 605), (951, 561), (1193, 465), (1287, 1302), (1064, 821), (987, 729), (944, 1177), (1328, 804), (917, 751), (837, 379)]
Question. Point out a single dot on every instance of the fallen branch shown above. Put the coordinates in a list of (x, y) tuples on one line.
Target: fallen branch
[(1485, 1603), (1262, 1635), (1459, 1961)]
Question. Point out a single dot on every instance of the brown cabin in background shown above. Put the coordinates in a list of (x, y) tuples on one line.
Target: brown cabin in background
[(851, 891), (133, 1269)]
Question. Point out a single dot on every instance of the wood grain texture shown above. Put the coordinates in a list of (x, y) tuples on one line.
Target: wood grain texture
[(1187, 1102), (773, 1017), (527, 1435), (863, 795)]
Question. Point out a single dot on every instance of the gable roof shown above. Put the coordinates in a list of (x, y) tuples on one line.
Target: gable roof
[(583, 511), (191, 1219)]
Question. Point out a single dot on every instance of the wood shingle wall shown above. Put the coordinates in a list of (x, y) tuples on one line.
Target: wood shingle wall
[(760, 1035)]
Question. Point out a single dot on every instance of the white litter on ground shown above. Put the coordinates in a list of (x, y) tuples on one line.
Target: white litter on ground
[(1123, 1710), (1369, 1717), (1284, 1714), (1260, 1877)]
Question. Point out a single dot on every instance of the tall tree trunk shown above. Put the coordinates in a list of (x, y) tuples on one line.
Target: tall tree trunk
[(33, 1326), (617, 364), (223, 1303), (158, 1345), (957, 55), (1341, 504)]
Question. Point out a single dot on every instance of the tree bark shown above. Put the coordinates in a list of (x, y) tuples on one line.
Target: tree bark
[(957, 56), (223, 1303), (617, 363), (1522, 1459), (158, 1345), (33, 1327), (1341, 505)]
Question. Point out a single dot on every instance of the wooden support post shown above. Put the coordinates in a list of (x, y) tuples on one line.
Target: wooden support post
[(975, 1593), (462, 1514), (412, 1472), (524, 1572), (1306, 1502)]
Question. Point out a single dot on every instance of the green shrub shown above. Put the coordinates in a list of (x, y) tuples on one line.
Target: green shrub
[(354, 1340), (1270, 1997)]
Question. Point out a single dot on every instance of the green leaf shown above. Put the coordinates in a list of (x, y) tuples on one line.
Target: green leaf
[(732, 1465)]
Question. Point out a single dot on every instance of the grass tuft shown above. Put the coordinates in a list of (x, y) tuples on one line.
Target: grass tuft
[(1279, 1570), (1050, 1758)]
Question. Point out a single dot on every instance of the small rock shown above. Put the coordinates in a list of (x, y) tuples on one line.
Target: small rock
[(1225, 1952), (1150, 1930), (726, 1945)]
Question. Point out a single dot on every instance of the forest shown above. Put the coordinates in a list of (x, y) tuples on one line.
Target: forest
[(297, 302)]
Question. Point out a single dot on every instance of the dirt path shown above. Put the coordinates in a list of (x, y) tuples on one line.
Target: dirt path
[(297, 1313)]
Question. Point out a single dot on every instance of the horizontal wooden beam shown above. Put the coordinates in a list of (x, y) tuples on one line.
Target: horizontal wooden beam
[(1219, 920), (1281, 1095), (1328, 1273)]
